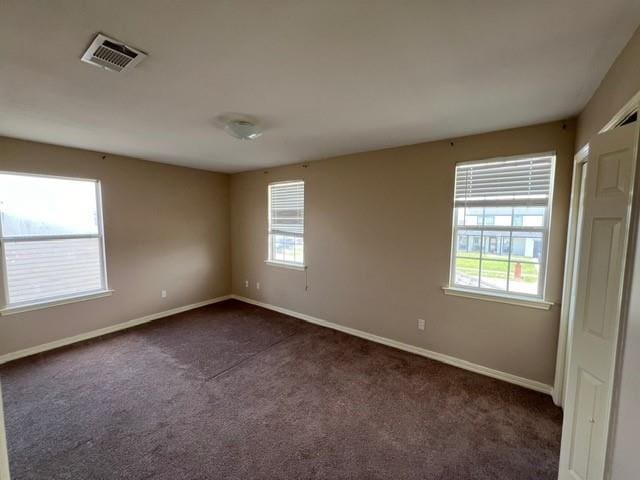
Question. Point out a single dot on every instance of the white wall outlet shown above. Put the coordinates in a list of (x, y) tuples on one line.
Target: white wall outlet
[(163, 294), (421, 324), (246, 284), (258, 285)]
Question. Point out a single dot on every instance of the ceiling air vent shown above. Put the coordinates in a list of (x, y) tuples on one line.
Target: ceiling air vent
[(112, 54)]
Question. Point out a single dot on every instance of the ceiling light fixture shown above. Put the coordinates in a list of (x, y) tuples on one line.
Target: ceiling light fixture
[(243, 129)]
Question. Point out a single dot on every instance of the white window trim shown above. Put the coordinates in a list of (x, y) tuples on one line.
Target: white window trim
[(483, 293), (494, 297), (291, 266), (28, 307), (278, 263), (8, 308)]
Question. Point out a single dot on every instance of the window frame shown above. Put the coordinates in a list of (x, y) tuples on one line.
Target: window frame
[(519, 298), (281, 263), (7, 308)]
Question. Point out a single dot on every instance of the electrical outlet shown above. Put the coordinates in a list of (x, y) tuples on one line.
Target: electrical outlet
[(421, 324), (163, 294), (258, 285), (246, 284)]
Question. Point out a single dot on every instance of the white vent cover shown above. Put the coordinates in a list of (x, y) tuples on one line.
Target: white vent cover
[(112, 54)]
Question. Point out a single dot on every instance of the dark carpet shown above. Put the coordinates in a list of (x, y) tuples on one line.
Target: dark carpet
[(234, 391)]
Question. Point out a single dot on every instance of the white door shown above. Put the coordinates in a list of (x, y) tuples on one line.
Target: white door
[(602, 251)]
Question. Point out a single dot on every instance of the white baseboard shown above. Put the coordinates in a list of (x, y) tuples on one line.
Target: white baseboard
[(104, 331), (456, 362)]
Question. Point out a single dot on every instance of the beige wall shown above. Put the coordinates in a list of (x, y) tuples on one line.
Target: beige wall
[(621, 82), (378, 235), (166, 227)]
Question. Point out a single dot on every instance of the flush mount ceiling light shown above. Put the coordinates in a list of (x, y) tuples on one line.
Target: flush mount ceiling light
[(242, 128)]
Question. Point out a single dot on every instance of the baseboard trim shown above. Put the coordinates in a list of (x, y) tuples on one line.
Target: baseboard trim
[(104, 331), (441, 357)]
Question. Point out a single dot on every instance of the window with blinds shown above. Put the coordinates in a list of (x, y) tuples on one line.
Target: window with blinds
[(501, 225), (286, 223), (50, 238)]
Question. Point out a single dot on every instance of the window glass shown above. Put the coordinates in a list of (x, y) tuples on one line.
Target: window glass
[(33, 205), (51, 237), (286, 223), (501, 225)]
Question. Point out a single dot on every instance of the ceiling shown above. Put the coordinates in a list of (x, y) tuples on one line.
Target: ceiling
[(325, 77)]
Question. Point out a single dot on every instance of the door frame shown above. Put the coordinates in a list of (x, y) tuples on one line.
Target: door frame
[(4, 456), (563, 353), (577, 186), (580, 158)]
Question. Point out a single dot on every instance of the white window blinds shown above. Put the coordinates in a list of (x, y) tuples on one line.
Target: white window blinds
[(286, 223), (287, 208), (43, 269), (525, 181)]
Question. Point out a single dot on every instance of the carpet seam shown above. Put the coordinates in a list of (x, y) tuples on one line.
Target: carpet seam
[(244, 360)]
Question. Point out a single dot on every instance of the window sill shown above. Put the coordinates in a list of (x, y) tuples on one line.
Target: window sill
[(292, 266), (519, 301), (12, 310)]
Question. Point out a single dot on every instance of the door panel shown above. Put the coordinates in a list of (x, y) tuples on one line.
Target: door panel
[(595, 313), (588, 390), (600, 302), (613, 174)]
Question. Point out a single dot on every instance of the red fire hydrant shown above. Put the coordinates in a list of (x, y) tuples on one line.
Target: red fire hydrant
[(518, 271)]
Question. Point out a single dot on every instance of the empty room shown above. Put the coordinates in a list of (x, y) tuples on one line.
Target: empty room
[(337, 239)]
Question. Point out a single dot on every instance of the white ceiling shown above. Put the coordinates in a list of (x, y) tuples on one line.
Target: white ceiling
[(327, 77)]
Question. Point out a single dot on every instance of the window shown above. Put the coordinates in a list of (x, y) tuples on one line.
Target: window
[(51, 239), (501, 225), (286, 223)]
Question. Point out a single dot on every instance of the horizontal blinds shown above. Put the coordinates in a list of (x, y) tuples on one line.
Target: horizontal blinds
[(524, 181), (43, 269), (286, 203)]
